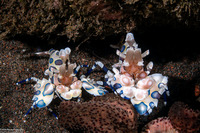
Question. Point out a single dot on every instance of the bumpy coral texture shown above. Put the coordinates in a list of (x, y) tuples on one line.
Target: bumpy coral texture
[(160, 125), (102, 114), (183, 118), (77, 19)]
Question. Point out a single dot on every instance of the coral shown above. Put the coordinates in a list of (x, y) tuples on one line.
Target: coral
[(108, 113), (77, 20), (185, 69), (48, 18), (184, 118), (160, 125), (180, 10), (197, 92)]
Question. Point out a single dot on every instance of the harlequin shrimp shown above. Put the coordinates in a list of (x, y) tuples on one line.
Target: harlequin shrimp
[(132, 82), (62, 80), (44, 89), (157, 86), (94, 88), (61, 74), (66, 79), (43, 94)]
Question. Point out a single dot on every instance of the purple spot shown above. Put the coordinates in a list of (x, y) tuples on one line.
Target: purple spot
[(58, 62)]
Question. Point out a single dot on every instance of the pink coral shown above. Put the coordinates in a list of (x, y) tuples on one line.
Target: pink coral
[(108, 113), (160, 125), (183, 118)]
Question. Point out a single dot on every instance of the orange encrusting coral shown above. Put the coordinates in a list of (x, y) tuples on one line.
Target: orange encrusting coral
[(197, 90)]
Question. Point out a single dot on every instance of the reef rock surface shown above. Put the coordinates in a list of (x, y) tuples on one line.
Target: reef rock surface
[(184, 118)]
